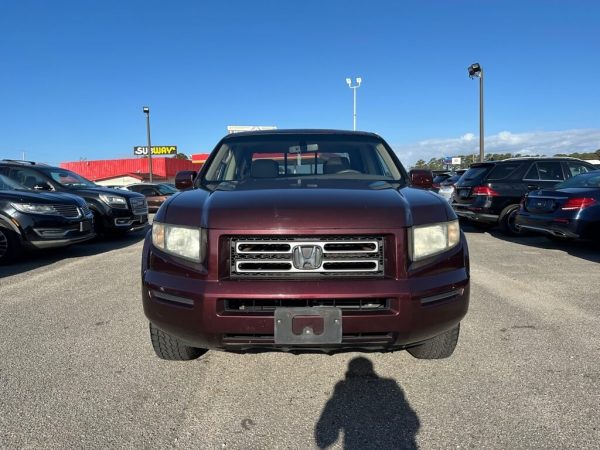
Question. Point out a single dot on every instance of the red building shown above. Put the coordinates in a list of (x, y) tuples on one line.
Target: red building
[(122, 172)]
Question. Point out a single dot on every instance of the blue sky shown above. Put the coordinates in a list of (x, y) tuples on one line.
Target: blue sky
[(75, 74)]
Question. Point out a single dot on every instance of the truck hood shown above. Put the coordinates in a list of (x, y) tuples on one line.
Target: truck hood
[(372, 206)]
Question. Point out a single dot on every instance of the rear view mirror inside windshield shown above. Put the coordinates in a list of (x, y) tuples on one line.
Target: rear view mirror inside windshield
[(304, 148)]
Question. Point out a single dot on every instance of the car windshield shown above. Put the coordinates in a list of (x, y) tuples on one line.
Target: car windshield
[(68, 179), (453, 179), (476, 172), (271, 158), (166, 189), (439, 178), (7, 184), (585, 180)]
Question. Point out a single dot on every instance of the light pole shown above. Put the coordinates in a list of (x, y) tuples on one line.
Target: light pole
[(354, 88), (476, 71), (147, 112)]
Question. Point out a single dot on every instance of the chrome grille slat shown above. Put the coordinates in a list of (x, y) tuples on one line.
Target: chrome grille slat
[(279, 256), (293, 269), (290, 245)]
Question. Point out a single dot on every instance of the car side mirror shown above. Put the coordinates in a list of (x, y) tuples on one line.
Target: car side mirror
[(421, 178), (43, 186), (185, 179)]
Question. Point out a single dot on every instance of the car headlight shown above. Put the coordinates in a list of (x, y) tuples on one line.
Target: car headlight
[(114, 201), (185, 242), (429, 240), (32, 208)]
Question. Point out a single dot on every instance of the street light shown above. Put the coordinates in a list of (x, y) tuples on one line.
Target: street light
[(354, 88), (476, 71), (147, 112)]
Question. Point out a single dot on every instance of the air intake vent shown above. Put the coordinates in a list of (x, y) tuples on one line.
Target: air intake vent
[(247, 306), (328, 256)]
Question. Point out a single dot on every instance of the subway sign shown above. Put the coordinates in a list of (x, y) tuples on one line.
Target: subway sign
[(158, 150)]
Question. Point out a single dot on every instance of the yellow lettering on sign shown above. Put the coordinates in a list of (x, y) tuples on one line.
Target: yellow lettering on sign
[(164, 150)]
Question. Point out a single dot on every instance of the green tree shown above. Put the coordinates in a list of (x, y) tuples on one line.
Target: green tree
[(435, 164), (181, 156)]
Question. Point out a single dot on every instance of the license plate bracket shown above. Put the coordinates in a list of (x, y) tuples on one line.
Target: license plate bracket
[(302, 326)]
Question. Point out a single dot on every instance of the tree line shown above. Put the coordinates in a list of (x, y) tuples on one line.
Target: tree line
[(467, 160)]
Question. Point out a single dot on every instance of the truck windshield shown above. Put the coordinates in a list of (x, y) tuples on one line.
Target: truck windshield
[(285, 156)]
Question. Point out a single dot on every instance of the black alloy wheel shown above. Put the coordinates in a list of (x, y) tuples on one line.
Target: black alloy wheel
[(508, 221), (8, 245)]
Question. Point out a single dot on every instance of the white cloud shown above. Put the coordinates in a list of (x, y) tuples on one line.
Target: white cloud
[(532, 143)]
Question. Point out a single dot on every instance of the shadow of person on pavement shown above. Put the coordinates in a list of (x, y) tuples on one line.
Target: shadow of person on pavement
[(372, 412)]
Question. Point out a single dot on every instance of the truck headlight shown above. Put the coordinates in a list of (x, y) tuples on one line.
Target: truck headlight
[(114, 201), (185, 242), (33, 208), (429, 240)]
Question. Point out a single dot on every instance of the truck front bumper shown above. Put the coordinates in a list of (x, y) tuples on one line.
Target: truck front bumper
[(211, 314)]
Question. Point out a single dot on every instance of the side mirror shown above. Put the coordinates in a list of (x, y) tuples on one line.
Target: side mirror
[(185, 179), (43, 186), (421, 178)]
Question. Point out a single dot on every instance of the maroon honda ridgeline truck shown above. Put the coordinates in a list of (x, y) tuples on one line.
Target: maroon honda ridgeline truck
[(304, 241)]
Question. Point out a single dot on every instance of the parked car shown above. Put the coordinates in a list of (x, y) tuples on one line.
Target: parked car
[(571, 210), (423, 178), (438, 179), (490, 193), (114, 210), (447, 186), (300, 240), (36, 220), (155, 193)]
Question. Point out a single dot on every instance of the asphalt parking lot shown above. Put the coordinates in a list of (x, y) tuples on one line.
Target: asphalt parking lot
[(77, 369)]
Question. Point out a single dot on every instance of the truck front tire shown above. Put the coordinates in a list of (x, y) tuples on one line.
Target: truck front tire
[(439, 347), (172, 349)]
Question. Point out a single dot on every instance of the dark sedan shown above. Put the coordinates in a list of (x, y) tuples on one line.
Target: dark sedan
[(570, 210), (36, 220)]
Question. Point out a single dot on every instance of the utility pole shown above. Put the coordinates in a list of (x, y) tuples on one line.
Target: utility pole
[(147, 112)]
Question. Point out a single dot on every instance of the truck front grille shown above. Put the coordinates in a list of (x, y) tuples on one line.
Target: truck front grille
[(300, 257)]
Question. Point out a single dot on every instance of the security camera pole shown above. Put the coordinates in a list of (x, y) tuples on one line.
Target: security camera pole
[(476, 71), (147, 112), (354, 88)]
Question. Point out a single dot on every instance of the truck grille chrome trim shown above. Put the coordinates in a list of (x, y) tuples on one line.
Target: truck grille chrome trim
[(306, 256)]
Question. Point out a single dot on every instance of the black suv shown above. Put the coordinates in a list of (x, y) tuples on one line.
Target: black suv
[(489, 193), (40, 220), (114, 210)]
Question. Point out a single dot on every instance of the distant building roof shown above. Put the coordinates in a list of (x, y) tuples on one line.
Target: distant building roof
[(162, 167), (200, 158)]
